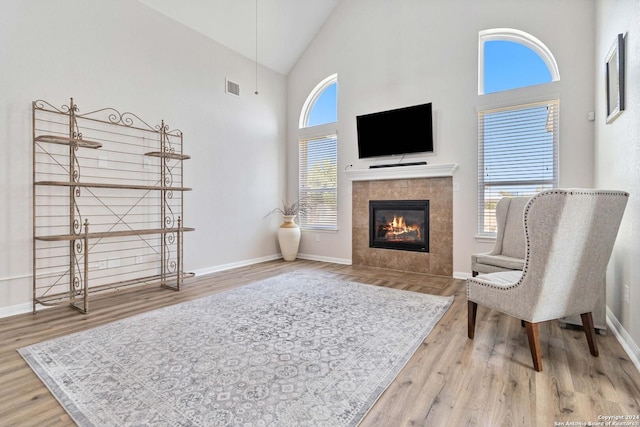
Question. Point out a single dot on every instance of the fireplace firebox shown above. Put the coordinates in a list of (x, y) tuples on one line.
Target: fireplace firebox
[(399, 224)]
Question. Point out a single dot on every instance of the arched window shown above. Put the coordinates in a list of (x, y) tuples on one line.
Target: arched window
[(517, 138), (321, 106), (510, 65), (510, 59), (318, 157)]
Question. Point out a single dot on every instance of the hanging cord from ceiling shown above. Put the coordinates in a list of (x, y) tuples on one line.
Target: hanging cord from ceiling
[(256, 92)]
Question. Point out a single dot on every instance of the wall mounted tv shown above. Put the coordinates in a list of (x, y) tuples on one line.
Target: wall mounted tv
[(395, 132)]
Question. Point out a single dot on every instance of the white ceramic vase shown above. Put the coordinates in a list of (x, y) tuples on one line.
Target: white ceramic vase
[(289, 238)]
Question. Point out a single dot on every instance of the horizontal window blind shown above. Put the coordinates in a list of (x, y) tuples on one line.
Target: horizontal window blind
[(517, 155), (318, 183)]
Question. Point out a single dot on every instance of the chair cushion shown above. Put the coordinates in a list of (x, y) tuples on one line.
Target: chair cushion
[(513, 241), (501, 279), (500, 261)]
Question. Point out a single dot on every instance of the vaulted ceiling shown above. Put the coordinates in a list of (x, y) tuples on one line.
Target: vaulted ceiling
[(284, 27)]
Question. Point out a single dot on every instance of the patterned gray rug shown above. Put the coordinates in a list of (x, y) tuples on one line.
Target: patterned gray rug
[(292, 350)]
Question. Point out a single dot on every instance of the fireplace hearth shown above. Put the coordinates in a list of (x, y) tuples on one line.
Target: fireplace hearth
[(399, 224)]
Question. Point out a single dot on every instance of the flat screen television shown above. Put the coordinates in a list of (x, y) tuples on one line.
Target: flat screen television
[(395, 132)]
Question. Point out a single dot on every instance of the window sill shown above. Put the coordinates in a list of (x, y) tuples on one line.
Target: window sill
[(318, 230)]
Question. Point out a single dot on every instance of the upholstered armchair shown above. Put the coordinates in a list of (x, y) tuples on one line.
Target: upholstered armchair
[(569, 237), (508, 251)]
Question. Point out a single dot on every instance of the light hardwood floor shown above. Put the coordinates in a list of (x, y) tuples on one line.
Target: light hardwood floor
[(449, 381)]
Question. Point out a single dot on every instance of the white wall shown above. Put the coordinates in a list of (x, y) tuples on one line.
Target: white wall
[(392, 54), (618, 158), (124, 55)]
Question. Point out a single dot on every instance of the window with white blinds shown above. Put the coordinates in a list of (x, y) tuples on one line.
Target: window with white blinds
[(318, 183), (517, 155)]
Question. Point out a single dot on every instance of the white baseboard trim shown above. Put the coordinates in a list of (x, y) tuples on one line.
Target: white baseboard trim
[(625, 340), (25, 307), (462, 275), (232, 265), (310, 257), (12, 310)]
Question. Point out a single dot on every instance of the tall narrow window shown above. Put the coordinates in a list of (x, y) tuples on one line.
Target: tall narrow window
[(517, 143), (518, 155), (318, 182), (318, 158)]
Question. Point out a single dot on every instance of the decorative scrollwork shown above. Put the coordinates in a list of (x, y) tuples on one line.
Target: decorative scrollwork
[(169, 218), (77, 221), (162, 127), (77, 285), (168, 178), (68, 108), (108, 114), (77, 229), (171, 263), (165, 140), (114, 117), (40, 104), (168, 222), (77, 279), (129, 119)]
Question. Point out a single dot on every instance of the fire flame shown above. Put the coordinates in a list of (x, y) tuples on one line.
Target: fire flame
[(398, 227)]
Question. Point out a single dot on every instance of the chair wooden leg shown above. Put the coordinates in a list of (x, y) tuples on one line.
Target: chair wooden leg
[(534, 345), (471, 318), (474, 273), (590, 332)]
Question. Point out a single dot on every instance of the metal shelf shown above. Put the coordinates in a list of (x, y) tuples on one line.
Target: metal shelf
[(70, 261)]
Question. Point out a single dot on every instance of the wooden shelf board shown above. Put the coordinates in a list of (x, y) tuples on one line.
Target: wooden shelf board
[(107, 185), (176, 156), (103, 234), (54, 139)]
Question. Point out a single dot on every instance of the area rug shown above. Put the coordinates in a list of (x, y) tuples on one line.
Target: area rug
[(293, 350)]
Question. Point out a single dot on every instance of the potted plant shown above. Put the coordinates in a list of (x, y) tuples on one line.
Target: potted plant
[(289, 232)]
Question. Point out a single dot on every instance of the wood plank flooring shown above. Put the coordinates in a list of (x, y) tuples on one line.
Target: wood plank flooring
[(450, 380)]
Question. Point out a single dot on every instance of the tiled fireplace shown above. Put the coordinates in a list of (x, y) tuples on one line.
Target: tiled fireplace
[(436, 256)]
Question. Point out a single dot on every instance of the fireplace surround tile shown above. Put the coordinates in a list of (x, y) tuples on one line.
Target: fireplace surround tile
[(439, 192)]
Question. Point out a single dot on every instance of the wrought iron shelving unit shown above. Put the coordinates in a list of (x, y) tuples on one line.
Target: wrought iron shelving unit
[(107, 204)]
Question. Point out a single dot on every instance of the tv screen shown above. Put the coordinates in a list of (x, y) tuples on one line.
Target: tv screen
[(401, 131)]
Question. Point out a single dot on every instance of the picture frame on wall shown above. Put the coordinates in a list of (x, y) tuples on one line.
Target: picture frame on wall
[(614, 79)]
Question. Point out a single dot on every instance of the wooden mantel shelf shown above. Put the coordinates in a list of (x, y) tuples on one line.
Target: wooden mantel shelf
[(402, 172)]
